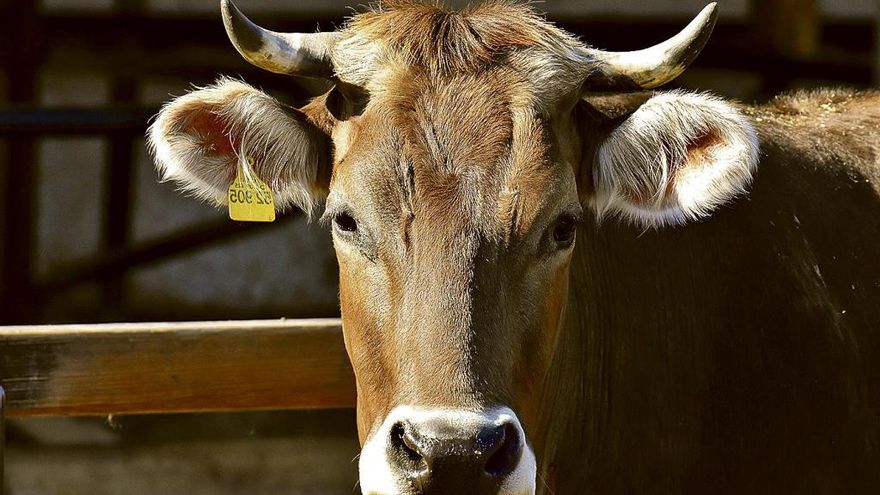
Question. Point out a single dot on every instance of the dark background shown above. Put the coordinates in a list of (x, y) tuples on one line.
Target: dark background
[(87, 234)]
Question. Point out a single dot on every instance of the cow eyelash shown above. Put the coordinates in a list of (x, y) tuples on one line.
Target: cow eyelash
[(564, 228), (340, 219), (347, 228), (345, 222)]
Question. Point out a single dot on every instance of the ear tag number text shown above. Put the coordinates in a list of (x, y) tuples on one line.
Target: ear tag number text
[(249, 198)]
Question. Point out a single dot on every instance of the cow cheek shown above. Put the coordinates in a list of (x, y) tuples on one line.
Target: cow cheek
[(361, 332), (539, 346)]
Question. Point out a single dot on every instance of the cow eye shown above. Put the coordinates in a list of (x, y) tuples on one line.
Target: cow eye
[(344, 222), (564, 230)]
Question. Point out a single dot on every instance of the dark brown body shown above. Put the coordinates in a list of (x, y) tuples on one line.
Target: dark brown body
[(740, 354)]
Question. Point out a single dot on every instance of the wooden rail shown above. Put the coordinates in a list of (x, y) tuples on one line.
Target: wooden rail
[(75, 370)]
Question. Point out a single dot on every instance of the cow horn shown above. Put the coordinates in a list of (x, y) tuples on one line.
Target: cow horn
[(654, 66), (282, 53)]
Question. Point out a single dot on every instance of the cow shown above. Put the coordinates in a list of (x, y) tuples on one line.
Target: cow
[(555, 278)]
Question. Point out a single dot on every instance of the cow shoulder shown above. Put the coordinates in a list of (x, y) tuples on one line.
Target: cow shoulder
[(836, 129)]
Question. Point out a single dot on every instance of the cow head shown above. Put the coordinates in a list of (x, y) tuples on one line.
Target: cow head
[(454, 158)]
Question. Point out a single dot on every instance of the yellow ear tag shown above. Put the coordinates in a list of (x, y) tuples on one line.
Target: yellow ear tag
[(250, 199)]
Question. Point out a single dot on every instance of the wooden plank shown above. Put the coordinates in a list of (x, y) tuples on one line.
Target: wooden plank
[(73, 370)]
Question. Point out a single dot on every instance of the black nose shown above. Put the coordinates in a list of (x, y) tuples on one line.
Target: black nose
[(437, 456)]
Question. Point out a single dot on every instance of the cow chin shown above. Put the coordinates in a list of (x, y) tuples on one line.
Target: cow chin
[(425, 451)]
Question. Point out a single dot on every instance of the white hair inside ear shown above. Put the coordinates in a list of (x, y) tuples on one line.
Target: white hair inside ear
[(198, 139), (675, 159)]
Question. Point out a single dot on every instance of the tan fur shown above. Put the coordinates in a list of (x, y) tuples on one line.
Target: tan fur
[(411, 36), (452, 176)]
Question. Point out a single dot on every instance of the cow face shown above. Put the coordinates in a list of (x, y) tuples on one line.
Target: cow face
[(453, 159), (445, 216)]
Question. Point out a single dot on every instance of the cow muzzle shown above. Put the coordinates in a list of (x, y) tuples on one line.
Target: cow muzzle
[(443, 451)]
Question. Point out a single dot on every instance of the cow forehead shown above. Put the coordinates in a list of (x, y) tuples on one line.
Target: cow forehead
[(458, 124), (461, 149), (404, 35)]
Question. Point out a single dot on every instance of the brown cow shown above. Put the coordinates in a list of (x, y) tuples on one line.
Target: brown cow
[(457, 153)]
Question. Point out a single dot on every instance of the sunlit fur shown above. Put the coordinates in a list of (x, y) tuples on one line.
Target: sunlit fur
[(196, 140), (401, 35), (675, 159)]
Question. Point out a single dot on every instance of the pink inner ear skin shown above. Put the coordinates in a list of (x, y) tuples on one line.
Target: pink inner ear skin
[(211, 129), (699, 154), (700, 149)]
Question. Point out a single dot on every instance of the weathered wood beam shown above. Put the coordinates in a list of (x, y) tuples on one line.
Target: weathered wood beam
[(128, 368)]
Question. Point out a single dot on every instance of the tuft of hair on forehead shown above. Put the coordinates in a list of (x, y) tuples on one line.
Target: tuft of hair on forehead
[(440, 40)]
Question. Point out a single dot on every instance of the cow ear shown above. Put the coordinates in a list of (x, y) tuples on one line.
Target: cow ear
[(197, 139), (674, 159)]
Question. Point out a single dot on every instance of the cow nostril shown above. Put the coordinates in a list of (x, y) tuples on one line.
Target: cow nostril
[(404, 445), (507, 451), (435, 454)]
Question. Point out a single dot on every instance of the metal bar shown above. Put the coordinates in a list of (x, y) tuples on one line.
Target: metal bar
[(18, 238), (117, 212), (117, 194), (119, 167), (73, 121), (16, 304), (117, 208)]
